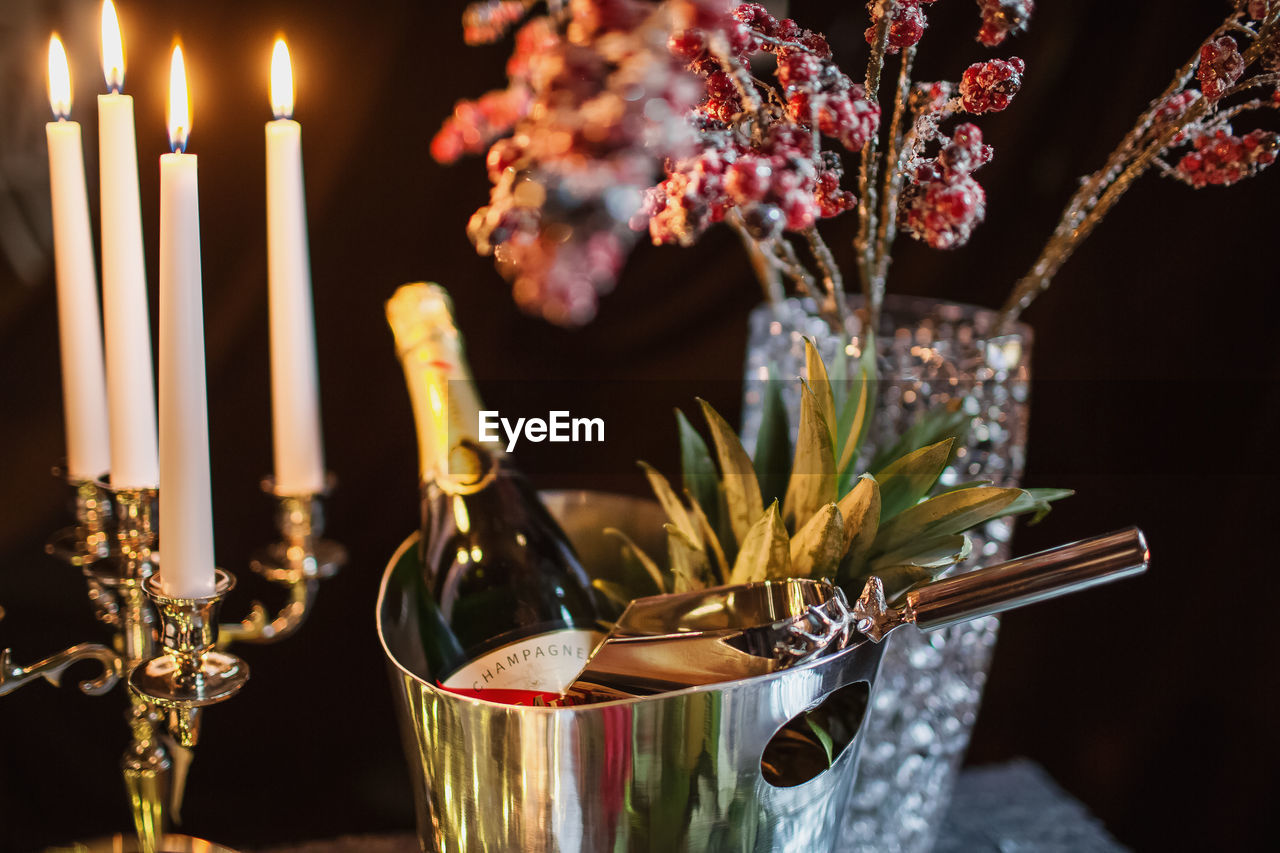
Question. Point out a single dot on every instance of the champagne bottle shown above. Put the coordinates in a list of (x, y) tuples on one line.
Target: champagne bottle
[(506, 610)]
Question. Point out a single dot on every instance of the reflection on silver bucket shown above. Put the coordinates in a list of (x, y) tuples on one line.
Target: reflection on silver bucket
[(676, 771)]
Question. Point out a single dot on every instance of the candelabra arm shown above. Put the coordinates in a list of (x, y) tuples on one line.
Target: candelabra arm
[(258, 628), (51, 668), (297, 562)]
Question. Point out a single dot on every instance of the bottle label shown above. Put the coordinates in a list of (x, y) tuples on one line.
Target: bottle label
[(544, 663)]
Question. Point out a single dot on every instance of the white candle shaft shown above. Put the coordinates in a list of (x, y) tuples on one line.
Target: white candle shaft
[(84, 392), (186, 504), (130, 383), (295, 396)]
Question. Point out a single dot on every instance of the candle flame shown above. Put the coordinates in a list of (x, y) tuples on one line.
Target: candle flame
[(281, 80), (179, 105), (59, 79), (112, 48)]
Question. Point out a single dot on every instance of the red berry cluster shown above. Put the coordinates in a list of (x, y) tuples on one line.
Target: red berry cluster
[(475, 123), (488, 21), (906, 22), (1002, 18), (1220, 67), (1221, 158), (1259, 9), (988, 87), (603, 105), (941, 202), (1176, 106), (776, 185)]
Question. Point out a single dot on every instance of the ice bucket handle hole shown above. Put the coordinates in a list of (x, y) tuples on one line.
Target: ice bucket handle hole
[(810, 743)]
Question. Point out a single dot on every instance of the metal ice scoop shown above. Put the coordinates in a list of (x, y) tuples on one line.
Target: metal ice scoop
[(669, 642)]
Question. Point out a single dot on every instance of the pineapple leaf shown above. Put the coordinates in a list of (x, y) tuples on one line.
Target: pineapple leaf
[(766, 550), (689, 565), (645, 561), (899, 579), (933, 552), (860, 509), (939, 489), (838, 373), (828, 746), (698, 471), (1036, 501), (671, 504), (711, 539), (615, 592), (813, 473), (820, 385), (741, 489), (931, 427), (818, 545), (773, 444), (854, 420), (945, 514), (905, 481)]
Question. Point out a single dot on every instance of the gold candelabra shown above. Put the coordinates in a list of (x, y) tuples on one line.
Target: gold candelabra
[(171, 651)]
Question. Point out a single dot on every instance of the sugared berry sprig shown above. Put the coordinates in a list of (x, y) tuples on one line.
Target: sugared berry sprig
[(1181, 115), (597, 109)]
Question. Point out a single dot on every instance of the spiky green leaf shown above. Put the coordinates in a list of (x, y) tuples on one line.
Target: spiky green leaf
[(853, 423), (766, 550), (813, 473), (820, 385), (697, 470), (932, 552), (741, 489), (711, 542), (1037, 501), (899, 579), (824, 739), (932, 426), (690, 568), (615, 592), (817, 547), (905, 481), (773, 443), (949, 513), (860, 509), (671, 504), (637, 553)]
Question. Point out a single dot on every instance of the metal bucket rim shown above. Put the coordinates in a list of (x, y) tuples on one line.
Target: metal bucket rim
[(722, 686)]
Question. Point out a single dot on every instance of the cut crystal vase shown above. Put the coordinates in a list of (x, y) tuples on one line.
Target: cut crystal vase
[(926, 699)]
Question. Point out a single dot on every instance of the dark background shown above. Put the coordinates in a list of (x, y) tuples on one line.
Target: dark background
[(1155, 369)]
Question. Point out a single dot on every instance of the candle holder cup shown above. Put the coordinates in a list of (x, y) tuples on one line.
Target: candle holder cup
[(298, 562), (88, 540), (190, 674)]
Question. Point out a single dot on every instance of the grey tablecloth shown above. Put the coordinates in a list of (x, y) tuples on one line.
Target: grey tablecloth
[(1006, 808)]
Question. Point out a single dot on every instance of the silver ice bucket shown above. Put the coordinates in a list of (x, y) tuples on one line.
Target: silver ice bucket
[(715, 768)]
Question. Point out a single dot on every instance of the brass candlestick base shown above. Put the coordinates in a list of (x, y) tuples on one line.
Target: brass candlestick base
[(167, 843), (113, 543), (190, 674)]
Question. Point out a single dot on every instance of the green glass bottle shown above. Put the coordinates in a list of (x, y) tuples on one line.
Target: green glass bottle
[(506, 611)]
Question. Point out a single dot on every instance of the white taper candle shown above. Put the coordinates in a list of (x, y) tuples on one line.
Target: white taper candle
[(186, 503), (84, 392), (130, 381), (295, 396)]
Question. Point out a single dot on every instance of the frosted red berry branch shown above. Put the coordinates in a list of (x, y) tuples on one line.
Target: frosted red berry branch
[(597, 107), (1181, 115)]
